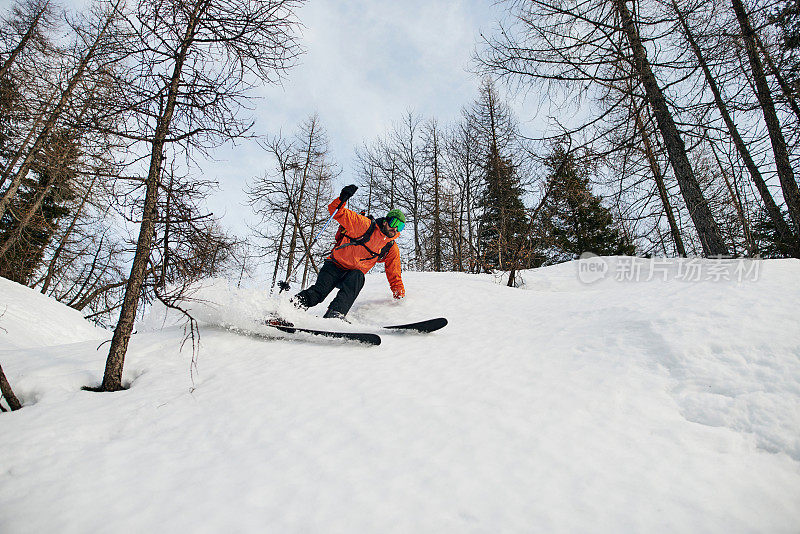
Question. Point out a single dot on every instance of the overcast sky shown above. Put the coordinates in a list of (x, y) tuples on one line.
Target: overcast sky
[(366, 63)]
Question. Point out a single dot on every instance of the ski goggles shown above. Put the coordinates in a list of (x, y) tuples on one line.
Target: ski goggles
[(397, 224)]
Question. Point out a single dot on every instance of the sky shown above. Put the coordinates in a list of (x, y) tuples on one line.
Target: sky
[(366, 64)]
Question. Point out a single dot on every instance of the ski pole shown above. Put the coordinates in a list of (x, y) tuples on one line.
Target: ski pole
[(284, 285)]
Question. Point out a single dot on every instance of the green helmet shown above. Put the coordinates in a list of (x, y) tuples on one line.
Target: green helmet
[(396, 213)]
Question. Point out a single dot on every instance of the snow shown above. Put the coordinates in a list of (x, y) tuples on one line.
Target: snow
[(30, 319), (642, 401)]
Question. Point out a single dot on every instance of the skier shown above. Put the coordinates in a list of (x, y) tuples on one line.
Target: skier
[(360, 244)]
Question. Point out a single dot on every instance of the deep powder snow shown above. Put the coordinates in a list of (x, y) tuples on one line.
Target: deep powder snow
[(645, 401)]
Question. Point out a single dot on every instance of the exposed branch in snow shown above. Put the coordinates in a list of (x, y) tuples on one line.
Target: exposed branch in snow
[(7, 393), (191, 329)]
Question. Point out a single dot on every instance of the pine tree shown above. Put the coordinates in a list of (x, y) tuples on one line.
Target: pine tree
[(502, 218), (502, 221), (575, 219), (48, 192), (768, 240)]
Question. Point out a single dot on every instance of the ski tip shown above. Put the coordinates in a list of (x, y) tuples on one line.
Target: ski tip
[(427, 326), (438, 323)]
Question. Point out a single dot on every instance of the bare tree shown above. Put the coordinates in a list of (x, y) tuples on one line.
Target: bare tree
[(23, 27), (194, 65), (464, 162), (595, 50), (369, 173), (24, 157), (404, 153), (707, 229), (658, 177), (791, 194), (733, 131), (290, 198)]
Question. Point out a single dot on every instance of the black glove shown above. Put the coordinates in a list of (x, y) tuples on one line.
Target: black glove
[(347, 192)]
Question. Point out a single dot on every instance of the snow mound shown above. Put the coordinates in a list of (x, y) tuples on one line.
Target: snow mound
[(30, 319)]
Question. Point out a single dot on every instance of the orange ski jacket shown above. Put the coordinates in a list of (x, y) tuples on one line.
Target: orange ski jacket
[(358, 257)]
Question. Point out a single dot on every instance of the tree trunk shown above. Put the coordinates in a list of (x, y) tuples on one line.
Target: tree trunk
[(455, 236), (297, 230), (167, 217), (317, 198), (292, 241), (473, 250), (369, 191), (391, 187), (791, 194), (737, 204), (8, 393), (707, 229), (675, 231), (437, 230), (112, 378), (787, 91), (784, 231), (296, 208)]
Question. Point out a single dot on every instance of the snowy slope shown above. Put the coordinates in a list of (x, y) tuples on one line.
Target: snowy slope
[(660, 405), (30, 319)]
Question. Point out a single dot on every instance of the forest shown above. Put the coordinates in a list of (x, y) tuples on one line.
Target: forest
[(684, 144)]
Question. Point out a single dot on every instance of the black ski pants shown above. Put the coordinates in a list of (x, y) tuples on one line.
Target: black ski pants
[(332, 276)]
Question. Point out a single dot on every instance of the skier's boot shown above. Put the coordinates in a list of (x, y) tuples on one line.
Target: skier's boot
[(333, 314), (299, 302)]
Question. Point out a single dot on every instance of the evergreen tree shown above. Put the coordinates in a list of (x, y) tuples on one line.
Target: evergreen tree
[(768, 240), (575, 219), (48, 192), (503, 220)]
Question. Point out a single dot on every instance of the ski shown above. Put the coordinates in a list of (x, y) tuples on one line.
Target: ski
[(289, 328), (431, 325)]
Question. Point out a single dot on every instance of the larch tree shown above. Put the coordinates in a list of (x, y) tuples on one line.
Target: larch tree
[(192, 65), (593, 53)]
